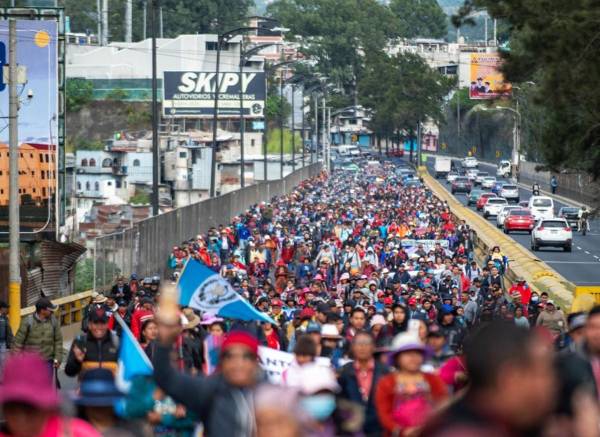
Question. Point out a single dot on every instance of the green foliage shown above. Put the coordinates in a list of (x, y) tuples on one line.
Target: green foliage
[(84, 274), (419, 18), (555, 46), (87, 144), (79, 93), (137, 118), (140, 198), (402, 90), (276, 107), (116, 95), (274, 141)]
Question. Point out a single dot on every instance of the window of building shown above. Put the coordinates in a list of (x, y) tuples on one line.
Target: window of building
[(118, 184), (252, 142), (31, 155), (21, 155), (44, 191), (84, 162), (33, 173), (47, 157), (87, 186), (109, 183), (43, 174), (79, 185), (92, 162), (124, 184), (96, 186), (107, 163), (211, 46), (136, 162), (1, 191), (33, 190), (52, 157), (0, 172), (183, 154)]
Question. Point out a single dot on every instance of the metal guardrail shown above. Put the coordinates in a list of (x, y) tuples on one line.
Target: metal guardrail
[(70, 308)]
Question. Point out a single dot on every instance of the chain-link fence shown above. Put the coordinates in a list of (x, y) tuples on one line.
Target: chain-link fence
[(144, 248)]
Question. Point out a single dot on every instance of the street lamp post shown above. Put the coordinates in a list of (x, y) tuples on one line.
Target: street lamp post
[(293, 130), (516, 155)]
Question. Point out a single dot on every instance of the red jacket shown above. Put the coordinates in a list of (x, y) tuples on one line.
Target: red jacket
[(137, 319)]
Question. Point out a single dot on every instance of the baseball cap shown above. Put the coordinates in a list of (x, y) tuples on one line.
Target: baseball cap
[(44, 303)]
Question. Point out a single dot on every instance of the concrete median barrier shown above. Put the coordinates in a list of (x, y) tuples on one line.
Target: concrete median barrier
[(522, 263)]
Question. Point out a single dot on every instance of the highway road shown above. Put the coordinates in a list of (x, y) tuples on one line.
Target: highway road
[(582, 266)]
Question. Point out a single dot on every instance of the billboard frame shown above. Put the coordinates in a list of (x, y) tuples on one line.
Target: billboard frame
[(57, 14)]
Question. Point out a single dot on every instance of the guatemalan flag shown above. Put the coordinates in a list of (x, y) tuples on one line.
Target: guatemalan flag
[(133, 361), (202, 289)]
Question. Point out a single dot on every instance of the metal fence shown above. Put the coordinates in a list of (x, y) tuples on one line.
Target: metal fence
[(144, 248)]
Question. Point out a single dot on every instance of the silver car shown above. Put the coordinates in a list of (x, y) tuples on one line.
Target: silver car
[(510, 193)]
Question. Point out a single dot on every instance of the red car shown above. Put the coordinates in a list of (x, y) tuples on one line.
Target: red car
[(483, 200), (519, 220)]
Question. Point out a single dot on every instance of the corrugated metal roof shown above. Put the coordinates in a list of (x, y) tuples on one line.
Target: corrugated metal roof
[(58, 260)]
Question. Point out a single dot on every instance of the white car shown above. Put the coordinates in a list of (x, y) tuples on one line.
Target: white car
[(472, 174), (504, 169), (493, 206), (510, 192), (504, 213), (480, 176), (470, 162), (541, 207), (451, 176), (554, 232), (488, 182)]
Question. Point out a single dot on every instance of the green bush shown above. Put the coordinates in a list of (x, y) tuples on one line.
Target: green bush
[(274, 141), (79, 92)]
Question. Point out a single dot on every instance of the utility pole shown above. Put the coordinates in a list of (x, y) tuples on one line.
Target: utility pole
[(281, 124), (315, 143), (293, 130), (485, 27), (104, 22), (160, 22), (155, 147), (303, 132), (419, 144), (213, 163), (14, 273), (99, 20), (324, 126), (128, 20), (495, 32), (144, 18), (242, 121), (264, 136)]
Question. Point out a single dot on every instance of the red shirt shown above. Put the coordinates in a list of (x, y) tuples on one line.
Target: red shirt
[(273, 340), (364, 377)]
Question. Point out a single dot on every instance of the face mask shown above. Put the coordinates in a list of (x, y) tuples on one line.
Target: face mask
[(318, 407), (534, 298)]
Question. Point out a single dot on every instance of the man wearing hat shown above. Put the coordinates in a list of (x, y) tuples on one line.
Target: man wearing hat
[(98, 348), (41, 332), (224, 399)]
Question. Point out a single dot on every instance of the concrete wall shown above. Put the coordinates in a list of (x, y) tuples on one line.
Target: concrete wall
[(144, 248)]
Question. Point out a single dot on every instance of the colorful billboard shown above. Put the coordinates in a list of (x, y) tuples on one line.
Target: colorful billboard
[(192, 94), (487, 82), (37, 51)]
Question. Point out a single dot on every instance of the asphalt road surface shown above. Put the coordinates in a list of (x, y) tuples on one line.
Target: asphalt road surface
[(582, 266)]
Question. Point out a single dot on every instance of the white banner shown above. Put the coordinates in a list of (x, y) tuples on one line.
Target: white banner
[(275, 362)]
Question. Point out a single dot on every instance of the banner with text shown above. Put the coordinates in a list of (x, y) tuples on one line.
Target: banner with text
[(192, 94), (275, 362), (487, 82)]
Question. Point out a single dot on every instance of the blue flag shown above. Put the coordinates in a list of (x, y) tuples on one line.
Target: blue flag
[(133, 361), (202, 289)]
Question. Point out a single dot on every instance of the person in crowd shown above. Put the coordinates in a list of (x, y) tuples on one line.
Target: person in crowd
[(358, 380), (98, 301), (41, 332), (407, 397), (29, 403), (511, 386), (6, 334), (98, 348), (305, 352), (552, 319), (277, 412), (121, 290), (148, 336), (144, 312), (221, 400)]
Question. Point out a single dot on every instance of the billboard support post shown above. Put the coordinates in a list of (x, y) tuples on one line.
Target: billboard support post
[(14, 286), (155, 158)]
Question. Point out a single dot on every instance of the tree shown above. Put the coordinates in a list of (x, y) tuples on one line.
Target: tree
[(79, 93), (419, 18), (556, 47)]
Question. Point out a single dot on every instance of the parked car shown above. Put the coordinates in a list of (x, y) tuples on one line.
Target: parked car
[(474, 196), (493, 206), (504, 213), (519, 220), (470, 162), (461, 185), (480, 176), (488, 182), (483, 199), (510, 192), (571, 214), (554, 232), (542, 207), (451, 176)]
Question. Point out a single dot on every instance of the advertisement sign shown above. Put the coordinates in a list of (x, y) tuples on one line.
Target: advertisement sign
[(487, 82), (191, 93), (37, 52)]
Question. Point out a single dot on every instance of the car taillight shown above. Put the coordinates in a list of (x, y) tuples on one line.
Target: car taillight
[(568, 229), (541, 228)]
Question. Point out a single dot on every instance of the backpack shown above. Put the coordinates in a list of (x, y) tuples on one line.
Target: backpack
[(29, 322)]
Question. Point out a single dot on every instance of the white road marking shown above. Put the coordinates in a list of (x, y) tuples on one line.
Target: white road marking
[(578, 248), (587, 251), (596, 256), (570, 262)]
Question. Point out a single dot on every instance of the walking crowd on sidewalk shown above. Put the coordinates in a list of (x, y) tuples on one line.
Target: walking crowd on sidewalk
[(391, 325)]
